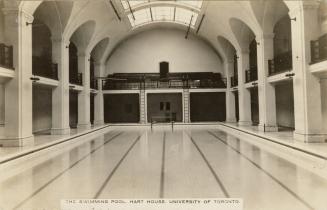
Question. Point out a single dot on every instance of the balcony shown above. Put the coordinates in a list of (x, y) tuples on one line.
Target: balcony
[(281, 63), (153, 81), (251, 75), (6, 56), (44, 68), (76, 79), (319, 49), (234, 81)]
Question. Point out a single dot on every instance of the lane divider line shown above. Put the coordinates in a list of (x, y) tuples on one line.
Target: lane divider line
[(220, 183), (40, 148), (61, 173), (265, 172), (97, 194), (162, 175), (277, 142)]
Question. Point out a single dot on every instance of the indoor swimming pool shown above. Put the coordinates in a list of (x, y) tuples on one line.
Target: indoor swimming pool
[(187, 162)]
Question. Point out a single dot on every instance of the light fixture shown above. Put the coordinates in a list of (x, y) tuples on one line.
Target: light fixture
[(290, 75), (35, 79)]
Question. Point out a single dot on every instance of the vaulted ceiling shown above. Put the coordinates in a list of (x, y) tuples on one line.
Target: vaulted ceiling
[(87, 22)]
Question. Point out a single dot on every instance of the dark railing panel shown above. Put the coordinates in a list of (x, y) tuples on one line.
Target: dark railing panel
[(251, 75), (319, 49), (6, 56), (76, 79), (44, 68), (281, 63), (234, 81), (174, 80), (94, 84)]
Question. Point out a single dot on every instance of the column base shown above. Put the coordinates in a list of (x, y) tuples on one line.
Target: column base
[(268, 128), (16, 142), (310, 138), (245, 123), (231, 120), (84, 126), (98, 122), (60, 131)]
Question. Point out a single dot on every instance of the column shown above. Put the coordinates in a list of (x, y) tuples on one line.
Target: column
[(98, 99), (267, 98), (307, 92), (84, 96), (60, 95), (18, 91), (244, 94), (230, 98)]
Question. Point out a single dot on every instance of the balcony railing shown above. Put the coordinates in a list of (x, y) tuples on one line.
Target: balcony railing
[(234, 81), (6, 56), (176, 84), (43, 68), (319, 49), (251, 75), (76, 79), (281, 63), (94, 84)]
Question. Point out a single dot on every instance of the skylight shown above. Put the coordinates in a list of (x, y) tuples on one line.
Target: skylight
[(134, 3), (141, 12)]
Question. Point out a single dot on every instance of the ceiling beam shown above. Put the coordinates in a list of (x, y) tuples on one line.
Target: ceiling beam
[(189, 28)]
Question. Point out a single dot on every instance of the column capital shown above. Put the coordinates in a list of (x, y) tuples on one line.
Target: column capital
[(244, 51), (229, 60), (57, 39), (268, 36), (28, 17)]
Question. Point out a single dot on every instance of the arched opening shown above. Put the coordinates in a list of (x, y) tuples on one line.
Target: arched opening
[(282, 47), (282, 62), (94, 86), (42, 66), (246, 40), (73, 80), (42, 51), (74, 76)]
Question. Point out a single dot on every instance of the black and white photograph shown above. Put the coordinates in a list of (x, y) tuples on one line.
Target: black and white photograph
[(163, 104)]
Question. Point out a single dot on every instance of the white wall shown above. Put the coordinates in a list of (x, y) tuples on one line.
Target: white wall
[(143, 52)]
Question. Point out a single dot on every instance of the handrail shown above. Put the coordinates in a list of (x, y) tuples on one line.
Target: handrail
[(6, 56), (172, 122), (157, 84)]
